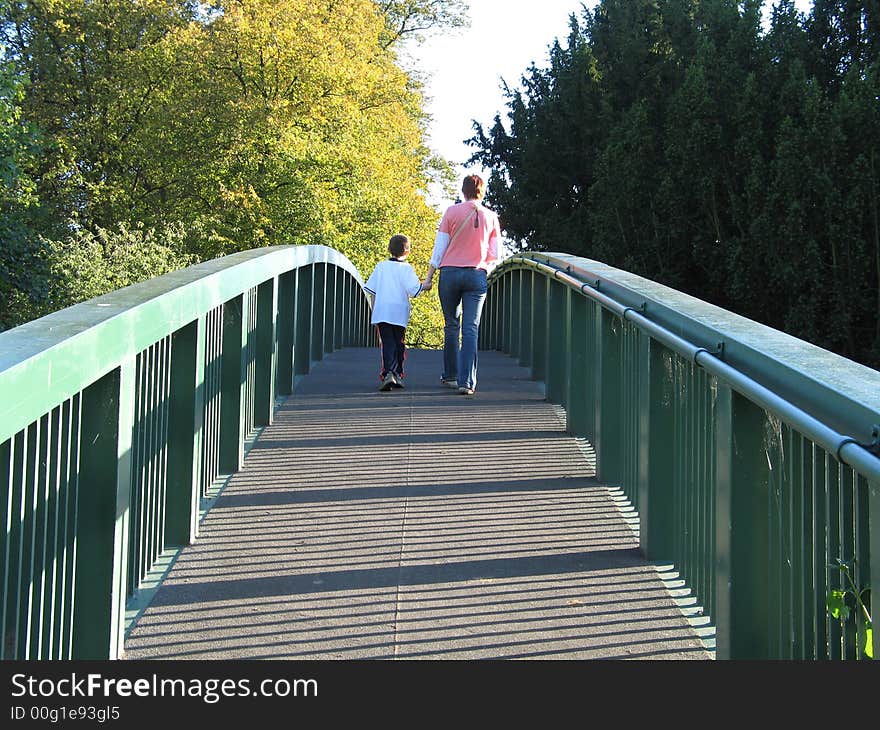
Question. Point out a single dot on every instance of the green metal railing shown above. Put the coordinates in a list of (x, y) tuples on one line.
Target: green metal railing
[(120, 415), (750, 456)]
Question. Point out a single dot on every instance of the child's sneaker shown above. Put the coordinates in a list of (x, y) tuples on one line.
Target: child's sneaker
[(387, 382)]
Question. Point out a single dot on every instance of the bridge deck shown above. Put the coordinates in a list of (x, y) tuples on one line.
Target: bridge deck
[(415, 524)]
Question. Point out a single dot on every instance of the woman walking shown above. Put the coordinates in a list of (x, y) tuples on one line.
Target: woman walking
[(465, 250)]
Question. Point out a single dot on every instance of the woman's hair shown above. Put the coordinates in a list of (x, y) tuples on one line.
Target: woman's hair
[(473, 187)]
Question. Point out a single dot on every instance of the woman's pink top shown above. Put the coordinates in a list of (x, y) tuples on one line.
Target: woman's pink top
[(468, 235)]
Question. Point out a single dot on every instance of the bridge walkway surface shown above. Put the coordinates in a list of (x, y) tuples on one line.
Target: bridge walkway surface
[(417, 524)]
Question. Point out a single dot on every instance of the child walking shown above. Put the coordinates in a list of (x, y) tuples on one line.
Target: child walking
[(390, 286)]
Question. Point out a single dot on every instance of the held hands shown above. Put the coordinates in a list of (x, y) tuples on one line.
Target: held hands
[(427, 284)]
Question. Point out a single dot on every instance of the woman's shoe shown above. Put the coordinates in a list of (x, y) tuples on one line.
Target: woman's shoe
[(449, 383), (466, 391)]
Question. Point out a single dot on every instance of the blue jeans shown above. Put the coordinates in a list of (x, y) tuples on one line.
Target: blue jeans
[(462, 292)]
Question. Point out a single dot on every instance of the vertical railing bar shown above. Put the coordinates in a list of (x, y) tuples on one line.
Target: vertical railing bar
[(150, 506), (773, 541), (149, 427), (218, 388), (861, 520), (51, 586), (706, 490), (44, 622), (205, 446), (699, 435), (711, 491), (691, 464), (847, 543), (833, 550), (7, 472), (247, 414), (679, 488), (133, 502), (688, 462), (142, 468), (20, 466), (799, 546), (684, 448), (246, 399), (158, 439), (820, 544), (791, 539), (163, 466), (155, 446), (208, 444), (161, 446), (212, 442), (696, 514), (40, 535), (161, 440), (782, 559), (252, 360), (72, 519), (29, 524), (63, 537), (683, 472), (688, 470), (808, 549)]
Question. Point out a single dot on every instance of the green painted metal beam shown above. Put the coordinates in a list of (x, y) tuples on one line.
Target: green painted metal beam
[(104, 485), (302, 353), (555, 342), (656, 449), (266, 354), (286, 324), (184, 434)]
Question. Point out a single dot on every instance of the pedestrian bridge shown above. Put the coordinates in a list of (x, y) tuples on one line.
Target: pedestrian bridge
[(200, 466)]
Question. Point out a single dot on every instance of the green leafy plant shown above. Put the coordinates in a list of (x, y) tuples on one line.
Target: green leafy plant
[(839, 606)]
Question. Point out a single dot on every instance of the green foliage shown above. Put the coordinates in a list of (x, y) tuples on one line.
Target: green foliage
[(849, 605), (86, 264), (244, 124), (416, 17), (686, 142), (23, 279)]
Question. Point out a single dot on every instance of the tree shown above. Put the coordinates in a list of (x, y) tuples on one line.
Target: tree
[(414, 17), (23, 278), (245, 124), (680, 140)]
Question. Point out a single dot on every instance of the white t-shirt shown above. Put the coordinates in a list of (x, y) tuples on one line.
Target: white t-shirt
[(393, 282)]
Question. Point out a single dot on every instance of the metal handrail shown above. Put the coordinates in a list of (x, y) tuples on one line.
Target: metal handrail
[(845, 447), (749, 456)]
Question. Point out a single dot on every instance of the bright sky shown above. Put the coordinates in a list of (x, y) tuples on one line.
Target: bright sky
[(465, 68)]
